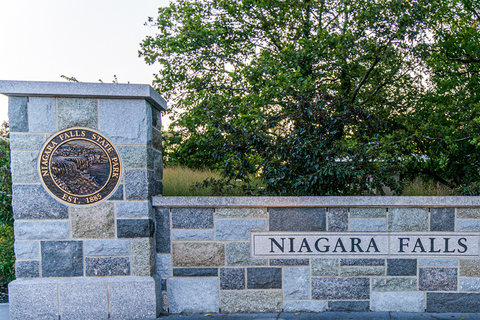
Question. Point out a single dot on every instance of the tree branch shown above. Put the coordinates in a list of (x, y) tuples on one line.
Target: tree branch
[(365, 77)]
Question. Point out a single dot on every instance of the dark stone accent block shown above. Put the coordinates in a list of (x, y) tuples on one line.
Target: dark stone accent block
[(289, 262), (62, 258), (264, 278), (18, 114), (437, 279), (362, 262), (453, 302), (118, 194), (340, 288), (162, 227), (156, 139), (107, 266), (401, 267), (356, 306), (297, 219), (134, 228), (232, 278), (27, 269), (338, 219), (33, 202), (163, 284), (195, 272), (192, 218), (442, 219)]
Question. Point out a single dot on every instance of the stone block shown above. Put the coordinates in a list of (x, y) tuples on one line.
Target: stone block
[(164, 284), (162, 227), (24, 167), (250, 301), (156, 119), (163, 265), (156, 139), (132, 298), (198, 254), (442, 219), (401, 267), (107, 266), (362, 262), (238, 229), (193, 295), (238, 254), (398, 301), (192, 218), (137, 184), (469, 284), (469, 268), (362, 271), (118, 194), (94, 222), (453, 302), (83, 298), (340, 288), (264, 278), (27, 269), (135, 228), (337, 219), (195, 272), (241, 213), (32, 230), (41, 206), (325, 267), (33, 299), (348, 306), (304, 306), (408, 219), (62, 258), (368, 224), (394, 284), (106, 247), (18, 114), (468, 225), (26, 141), (27, 249), (76, 112), (289, 262), (297, 219), (437, 279), (125, 121), (468, 213), (41, 114), (142, 259), (157, 165), (192, 234), (232, 278), (438, 262), (368, 212), (133, 209), (296, 283), (135, 157)]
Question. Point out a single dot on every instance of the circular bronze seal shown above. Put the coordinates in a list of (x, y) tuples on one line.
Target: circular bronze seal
[(79, 166)]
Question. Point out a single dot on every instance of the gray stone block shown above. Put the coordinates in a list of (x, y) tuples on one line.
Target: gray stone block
[(241, 212), (442, 219), (75, 112), (362, 271), (238, 229), (195, 272), (238, 254), (118, 194), (401, 267), (133, 209), (32, 230), (437, 262), (137, 184), (325, 267), (156, 139), (408, 219), (193, 295), (192, 218), (162, 233), (135, 157), (368, 224), (469, 284), (289, 262), (297, 219), (468, 213), (133, 298), (195, 234), (18, 114), (337, 219), (232, 278), (106, 247), (41, 206), (24, 167), (296, 283), (340, 288), (468, 225), (437, 279), (107, 266), (453, 302), (26, 141), (348, 306), (27, 269), (157, 165), (264, 278), (134, 228), (27, 249), (93, 222), (394, 284), (83, 298), (304, 306), (62, 258), (163, 265), (33, 299), (470, 268), (234, 301), (362, 262), (156, 118), (125, 121), (398, 301), (368, 212), (41, 114)]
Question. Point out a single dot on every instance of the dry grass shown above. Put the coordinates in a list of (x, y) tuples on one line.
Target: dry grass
[(419, 187)]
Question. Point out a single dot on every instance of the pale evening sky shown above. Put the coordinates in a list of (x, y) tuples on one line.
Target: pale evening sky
[(40, 40)]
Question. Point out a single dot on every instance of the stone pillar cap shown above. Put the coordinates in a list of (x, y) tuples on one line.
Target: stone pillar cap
[(83, 90)]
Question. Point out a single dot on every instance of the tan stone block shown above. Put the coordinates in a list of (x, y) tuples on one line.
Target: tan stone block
[(142, 257), (96, 222), (470, 268), (232, 301), (468, 213), (198, 254)]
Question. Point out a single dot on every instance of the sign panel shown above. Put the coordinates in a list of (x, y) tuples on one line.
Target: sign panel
[(297, 244)]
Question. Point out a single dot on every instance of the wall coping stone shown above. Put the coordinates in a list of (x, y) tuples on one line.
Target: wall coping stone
[(83, 90), (318, 201)]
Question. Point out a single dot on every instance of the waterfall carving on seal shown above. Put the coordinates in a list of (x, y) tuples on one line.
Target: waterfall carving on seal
[(79, 166)]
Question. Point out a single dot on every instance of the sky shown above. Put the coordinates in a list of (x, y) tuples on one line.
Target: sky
[(40, 40)]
